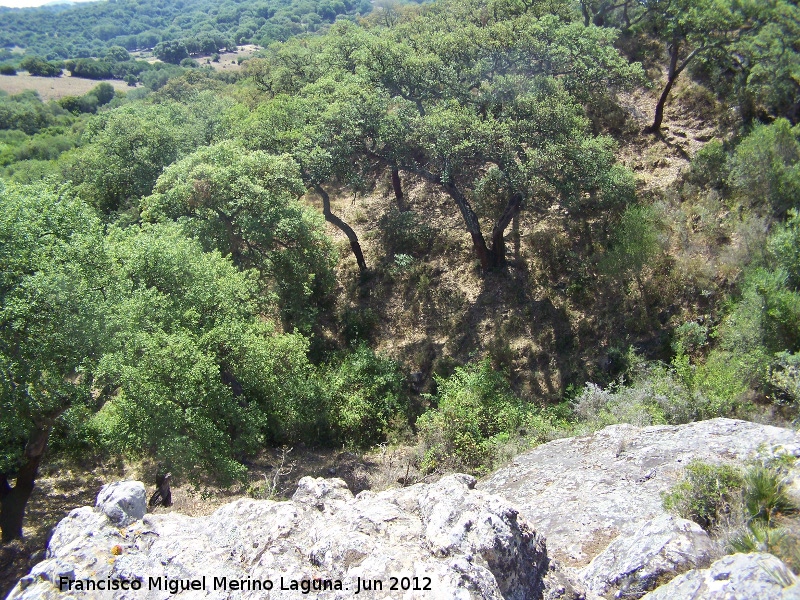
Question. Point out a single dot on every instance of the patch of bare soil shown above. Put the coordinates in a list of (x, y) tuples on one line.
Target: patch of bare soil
[(54, 88), (692, 117), (229, 61)]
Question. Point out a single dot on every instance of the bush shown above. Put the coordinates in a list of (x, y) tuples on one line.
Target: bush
[(7, 70), (657, 394), (476, 413), (765, 169), (405, 233), (366, 398), (708, 165), (785, 378), (88, 68), (765, 495), (39, 67), (707, 495)]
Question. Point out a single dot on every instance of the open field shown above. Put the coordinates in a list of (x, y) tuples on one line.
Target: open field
[(53, 88), (228, 60)]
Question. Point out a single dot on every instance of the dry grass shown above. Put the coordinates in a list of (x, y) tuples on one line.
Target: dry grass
[(229, 61), (53, 88)]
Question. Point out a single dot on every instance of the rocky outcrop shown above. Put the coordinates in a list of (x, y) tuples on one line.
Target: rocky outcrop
[(755, 575), (443, 540), (596, 498), (123, 502), (657, 551), (581, 493)]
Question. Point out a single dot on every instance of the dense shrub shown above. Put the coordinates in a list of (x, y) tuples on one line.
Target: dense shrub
[(707, 495), (405, 233), (39, 67), (708, 165), (27, 112), (366, 398), (765, 168), (475, 413)]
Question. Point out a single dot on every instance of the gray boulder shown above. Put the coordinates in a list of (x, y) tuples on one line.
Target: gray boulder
[(659, 549), (758, 576), (123, 502), (581, 493), (447, 537)]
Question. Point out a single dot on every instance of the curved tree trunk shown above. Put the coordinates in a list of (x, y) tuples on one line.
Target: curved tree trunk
[(342, 226), (13, 500), (672, 75), (485, 256)]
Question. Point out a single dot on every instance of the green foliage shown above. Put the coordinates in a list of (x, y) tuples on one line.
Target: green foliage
[(689, 338), (768, 85), (52, 311), (169, 337), (765, 168), (634, 243), (366, 398), (47, 145), (709, 165), (765, 494), (6, 69), (245, 204), (681, 392), (26, 112), (475, 413), (783, 247), (88, 103), (197, 379), (125, 151), (444, 94), (707, 494), (199, 26), (39, 67), (785, 378), (405, 233), (358, 325), (765, 497)]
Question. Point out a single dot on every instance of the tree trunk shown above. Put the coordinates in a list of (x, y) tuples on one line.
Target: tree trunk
[(485, 256), (13, 500), (672, 75), (398, 191), (498, 250), (341, 225), (585, 12)]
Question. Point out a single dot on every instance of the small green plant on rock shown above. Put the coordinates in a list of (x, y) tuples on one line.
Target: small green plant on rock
[(707, 494), (718, 496)]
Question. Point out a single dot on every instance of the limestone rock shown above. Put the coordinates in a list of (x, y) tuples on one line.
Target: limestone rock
[(123, 502), (660, 548), (581, 493), (469, 543), (756, 575)]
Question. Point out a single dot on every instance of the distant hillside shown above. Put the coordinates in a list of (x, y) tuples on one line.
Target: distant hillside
[(58, 32)]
